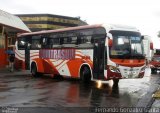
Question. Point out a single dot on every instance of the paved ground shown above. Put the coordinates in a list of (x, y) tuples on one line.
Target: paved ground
[(46, 95)]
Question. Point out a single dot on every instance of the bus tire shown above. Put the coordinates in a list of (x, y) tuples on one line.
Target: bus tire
[(34, 70), (115, 82), (85, 74), (153, 71)]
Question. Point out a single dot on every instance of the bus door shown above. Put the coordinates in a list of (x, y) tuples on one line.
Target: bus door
[(98, 59), (27, 56)]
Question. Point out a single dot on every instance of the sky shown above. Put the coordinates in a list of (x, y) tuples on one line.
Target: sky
[(142, 14)]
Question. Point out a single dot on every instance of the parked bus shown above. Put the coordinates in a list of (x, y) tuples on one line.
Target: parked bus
[(155, 61), (91, 52), (148, 48)]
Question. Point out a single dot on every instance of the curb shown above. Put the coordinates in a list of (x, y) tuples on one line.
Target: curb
[(147, 100)]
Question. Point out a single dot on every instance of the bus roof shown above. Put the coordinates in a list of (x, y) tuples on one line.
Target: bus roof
[(108, 27), (63, 29)]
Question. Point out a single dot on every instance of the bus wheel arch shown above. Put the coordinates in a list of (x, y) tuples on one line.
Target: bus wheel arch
[(85, 73)]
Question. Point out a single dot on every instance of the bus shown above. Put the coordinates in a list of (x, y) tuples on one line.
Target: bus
[(148, 47), (155, 61), (91, 52)]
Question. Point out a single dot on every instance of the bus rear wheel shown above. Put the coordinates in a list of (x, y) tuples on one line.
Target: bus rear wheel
[(34, 71), (154, 71), (85, 75)]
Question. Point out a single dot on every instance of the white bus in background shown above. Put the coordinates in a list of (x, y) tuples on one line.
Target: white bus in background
[(148, 47)]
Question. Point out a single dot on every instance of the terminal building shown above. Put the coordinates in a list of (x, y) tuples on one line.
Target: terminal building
[(39, 22), (10, 25)]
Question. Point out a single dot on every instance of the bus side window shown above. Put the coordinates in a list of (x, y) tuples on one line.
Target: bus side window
[(36, 42), (86, 39), (21, 43), (85, 42), (70, 41), (44, 42), (54, 42)]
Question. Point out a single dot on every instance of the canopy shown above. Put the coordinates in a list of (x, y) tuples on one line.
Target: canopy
[(12, 21)]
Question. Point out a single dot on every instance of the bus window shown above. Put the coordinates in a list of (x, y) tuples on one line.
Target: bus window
[(54, 42), (21, 43), (69, 41), (36, 42), (44, 40), (73, 40), (86, 39), (85, 42)]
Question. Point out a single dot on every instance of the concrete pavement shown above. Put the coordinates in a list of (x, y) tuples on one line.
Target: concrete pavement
[(146, 101), (6, 71), (156, 101)]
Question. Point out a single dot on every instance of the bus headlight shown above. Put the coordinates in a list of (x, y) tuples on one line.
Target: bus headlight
[(114, 69)]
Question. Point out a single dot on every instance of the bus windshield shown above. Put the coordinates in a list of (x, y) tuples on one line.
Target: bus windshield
[(126, 45)]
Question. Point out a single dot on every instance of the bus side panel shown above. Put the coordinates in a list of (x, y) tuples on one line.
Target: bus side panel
[(74, 66), (19, 64), (20, 59), (68, 67), (34, 57), (45, 66), (49, 67), (82, 56)]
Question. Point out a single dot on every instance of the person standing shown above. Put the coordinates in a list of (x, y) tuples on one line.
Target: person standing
[(11, 62)]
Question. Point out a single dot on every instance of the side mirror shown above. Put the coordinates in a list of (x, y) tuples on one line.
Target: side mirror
[(110, 42)]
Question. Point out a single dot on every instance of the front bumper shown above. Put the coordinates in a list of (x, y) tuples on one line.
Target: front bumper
[(126, 73)]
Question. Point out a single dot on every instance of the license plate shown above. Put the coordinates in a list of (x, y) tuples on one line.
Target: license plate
[(130, 76)]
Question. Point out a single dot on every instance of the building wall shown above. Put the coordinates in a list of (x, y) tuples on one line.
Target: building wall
[(1, 41), (10, 25), (3, 59), (3, 55), (7, 42), (38, 22)]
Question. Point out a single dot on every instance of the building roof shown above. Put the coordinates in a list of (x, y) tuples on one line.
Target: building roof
[(48, 15), (12, 21), (39, 22)]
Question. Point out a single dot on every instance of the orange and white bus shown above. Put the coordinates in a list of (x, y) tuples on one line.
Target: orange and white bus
[(91, 52)]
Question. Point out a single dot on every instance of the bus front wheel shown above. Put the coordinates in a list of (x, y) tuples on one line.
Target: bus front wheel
[(115, 82), (85, 75)]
